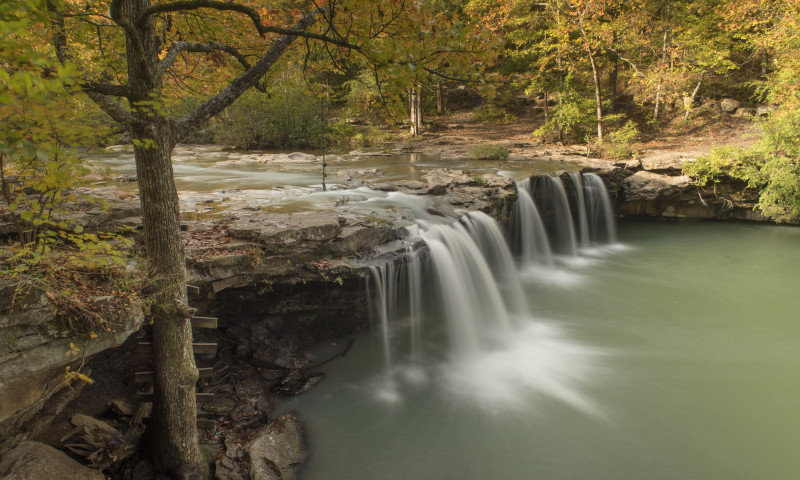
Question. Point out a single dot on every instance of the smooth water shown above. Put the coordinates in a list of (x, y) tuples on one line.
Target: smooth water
[(672, 356)]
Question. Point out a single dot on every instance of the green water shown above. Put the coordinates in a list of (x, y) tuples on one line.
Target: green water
[(675, 357)]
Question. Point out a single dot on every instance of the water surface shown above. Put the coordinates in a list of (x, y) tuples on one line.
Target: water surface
[(673, 356)]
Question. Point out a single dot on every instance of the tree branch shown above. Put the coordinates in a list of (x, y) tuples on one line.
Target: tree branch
[(262, 29), (244, 81), (178, 47), (106, 89), (112, 108), (128, 27)]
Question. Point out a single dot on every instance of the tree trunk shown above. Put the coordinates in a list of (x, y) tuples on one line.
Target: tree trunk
[(613, 75), (663, 65), (694, 95), (172, 431), (598, 98), (596, 79), (439, 99), (415, 109)]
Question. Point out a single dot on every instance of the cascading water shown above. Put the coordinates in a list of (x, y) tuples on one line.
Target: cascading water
[(528, 236), (581, 218), (551, 200), (598, 206), (469, 279)]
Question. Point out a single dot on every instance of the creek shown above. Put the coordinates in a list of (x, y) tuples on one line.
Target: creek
[(644, 350), (668, 353)]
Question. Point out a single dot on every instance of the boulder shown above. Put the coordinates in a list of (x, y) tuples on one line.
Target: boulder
[(745, 112), (277, 450), (652, 186), (37, 461), (764, 110), (729, 105)]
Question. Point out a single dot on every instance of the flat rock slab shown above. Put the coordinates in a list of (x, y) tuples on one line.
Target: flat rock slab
[(667, 162), (37, 461), (287, 228)]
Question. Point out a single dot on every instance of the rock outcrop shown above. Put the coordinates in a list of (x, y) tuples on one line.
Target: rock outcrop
[(37, 461), (35, 350)]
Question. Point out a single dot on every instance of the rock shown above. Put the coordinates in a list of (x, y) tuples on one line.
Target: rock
[(350, 175), (122, 406), (729, 105), (652, 186), (440, 180), (37, 461), (286, 229), (667, 162), (96, 441), (277, 450), (497, 181), (32, 366), (745, 112), (764, 110)]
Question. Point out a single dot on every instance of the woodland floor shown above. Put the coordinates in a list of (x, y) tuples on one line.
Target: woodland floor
[(709, 128)]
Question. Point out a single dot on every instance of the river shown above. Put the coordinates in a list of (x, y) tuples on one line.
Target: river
[(672, 355)]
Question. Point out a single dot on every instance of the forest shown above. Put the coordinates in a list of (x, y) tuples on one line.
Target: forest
[(78, 75)]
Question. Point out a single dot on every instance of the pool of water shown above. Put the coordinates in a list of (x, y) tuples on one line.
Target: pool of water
[(672, 355)]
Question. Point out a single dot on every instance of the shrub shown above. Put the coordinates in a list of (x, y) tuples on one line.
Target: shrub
[(620, 143), (493, 114), (489, 152)]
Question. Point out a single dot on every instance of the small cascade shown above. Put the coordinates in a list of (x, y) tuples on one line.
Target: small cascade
[(580, 207), (476, 312), (485, 232), (382, 279), (528, 236), (599, 211), (550, 197)]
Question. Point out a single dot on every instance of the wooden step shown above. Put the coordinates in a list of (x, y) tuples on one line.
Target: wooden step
[(192, 290), (204, 322)]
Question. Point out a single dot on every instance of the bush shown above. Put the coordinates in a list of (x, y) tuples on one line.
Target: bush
[(489, 152), (771, 166), (621, 142), (285, 118), (493, 114)]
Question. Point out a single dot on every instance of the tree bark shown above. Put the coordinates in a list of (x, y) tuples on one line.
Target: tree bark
[(439, 99), (172, 432), (415, 109)]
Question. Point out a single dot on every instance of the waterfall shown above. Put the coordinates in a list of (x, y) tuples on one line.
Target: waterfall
[(550, 197), (394, 287), (528, 236), (580, 207), (598, 206)]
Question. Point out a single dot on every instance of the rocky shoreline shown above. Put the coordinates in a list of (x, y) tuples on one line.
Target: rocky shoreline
[(280, 282)]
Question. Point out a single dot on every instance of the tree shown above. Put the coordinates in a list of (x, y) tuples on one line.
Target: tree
[(133, 56)]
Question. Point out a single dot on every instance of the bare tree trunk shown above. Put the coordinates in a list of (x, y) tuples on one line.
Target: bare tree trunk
[(598, 98), (662, 66), (546, 108), (596, 79), (439, 99), (614, 74), (415, 109), (694, 95)]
